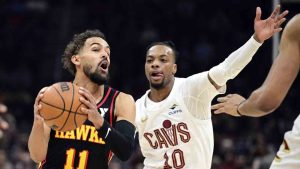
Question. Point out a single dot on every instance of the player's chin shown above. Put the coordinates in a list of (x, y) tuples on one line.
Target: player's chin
[(156, 85), (104, 75), (99, 78)]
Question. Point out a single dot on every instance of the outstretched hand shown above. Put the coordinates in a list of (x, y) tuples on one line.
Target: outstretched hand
[(228, 104), (264, 29)]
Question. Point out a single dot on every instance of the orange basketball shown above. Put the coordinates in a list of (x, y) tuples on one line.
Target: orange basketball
[(61, 108)]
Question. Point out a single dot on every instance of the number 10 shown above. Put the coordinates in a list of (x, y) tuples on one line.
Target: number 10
[(177, 164)]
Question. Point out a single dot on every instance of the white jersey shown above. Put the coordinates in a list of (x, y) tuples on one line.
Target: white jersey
[(288, 156), (177, 132)]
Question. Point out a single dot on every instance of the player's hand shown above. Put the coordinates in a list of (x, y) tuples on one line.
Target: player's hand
[(92, 111), (264, 29), (228, 104), (37, 106)]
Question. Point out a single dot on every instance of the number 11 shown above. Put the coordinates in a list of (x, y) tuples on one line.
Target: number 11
[(83, 155)]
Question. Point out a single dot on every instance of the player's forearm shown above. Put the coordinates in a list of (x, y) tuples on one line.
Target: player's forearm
[(259, 104), (234, 63), (120, 139), (37, 143)]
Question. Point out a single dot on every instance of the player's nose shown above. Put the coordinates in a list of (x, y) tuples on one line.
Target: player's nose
[(155, 64), (104, 55)]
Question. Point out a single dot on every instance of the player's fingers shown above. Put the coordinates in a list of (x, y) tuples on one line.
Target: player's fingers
[(37, 100), (85, 110), (222, 99), (282, 15), (217, 106), (277, 30), (37, 104), (229, 95), (258, 14), (37, 108), (40, 94), (219, 111), (280, 22), (85, 101), (38, 117), (86, 93), (85, 90), (42, 90), (275, 12)]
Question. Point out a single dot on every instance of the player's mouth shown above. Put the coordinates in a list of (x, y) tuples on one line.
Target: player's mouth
[(156, 75), (103, 65)]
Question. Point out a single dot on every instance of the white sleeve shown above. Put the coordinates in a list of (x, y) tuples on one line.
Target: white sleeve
[(197, 93), (234, 63)]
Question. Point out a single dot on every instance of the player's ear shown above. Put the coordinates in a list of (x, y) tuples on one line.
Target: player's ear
[(75, 59), (174, 69)]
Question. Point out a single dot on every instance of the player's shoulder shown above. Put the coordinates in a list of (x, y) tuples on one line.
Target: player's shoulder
[(293, 26), (297, 17), (121, 95), (295, 21), (125, 96), (179, 80), (198, 77)]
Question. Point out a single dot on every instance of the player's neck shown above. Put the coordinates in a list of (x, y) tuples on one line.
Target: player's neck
[(95, 89), (158, 95)]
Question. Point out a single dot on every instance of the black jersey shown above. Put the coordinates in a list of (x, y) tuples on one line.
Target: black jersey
[(82, 148)]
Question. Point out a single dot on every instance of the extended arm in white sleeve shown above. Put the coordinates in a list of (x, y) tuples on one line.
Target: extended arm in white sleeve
[(234, 63)]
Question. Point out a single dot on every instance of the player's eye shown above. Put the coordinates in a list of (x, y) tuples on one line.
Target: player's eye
[(96, 49), (149, 60), (163, 60)]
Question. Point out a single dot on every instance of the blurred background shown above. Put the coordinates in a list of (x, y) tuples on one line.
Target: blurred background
[(34, 33)]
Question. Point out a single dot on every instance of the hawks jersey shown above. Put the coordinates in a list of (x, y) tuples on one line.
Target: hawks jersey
[(177, 132), (82, 148), (288, 156)]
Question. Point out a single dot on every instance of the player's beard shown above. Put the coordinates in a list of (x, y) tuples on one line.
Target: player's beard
[(157, 86), (95, 76), (164, 83)]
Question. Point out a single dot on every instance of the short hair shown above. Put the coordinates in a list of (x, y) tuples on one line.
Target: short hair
[(169, 44), (75, 45)]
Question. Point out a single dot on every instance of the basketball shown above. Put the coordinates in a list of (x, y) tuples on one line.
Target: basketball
[(61, 108)]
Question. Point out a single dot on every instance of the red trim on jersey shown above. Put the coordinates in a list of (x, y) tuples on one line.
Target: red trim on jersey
[(41, 164), (112, 108), (110, 155), (106, 96)]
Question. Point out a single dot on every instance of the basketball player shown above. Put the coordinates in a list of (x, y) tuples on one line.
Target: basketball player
[(109, 128), (173, 117), (269, 96)]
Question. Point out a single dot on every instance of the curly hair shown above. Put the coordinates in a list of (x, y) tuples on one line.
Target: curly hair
[(75, 45)]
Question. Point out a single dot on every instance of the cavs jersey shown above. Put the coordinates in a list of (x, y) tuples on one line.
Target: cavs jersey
[(177, 132), (82, 148), (288, 156)]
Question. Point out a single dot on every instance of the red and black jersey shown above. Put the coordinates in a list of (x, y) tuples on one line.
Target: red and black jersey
[(82, 148)]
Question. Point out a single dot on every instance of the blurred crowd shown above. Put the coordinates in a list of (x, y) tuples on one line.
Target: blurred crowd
[(33, 34)]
